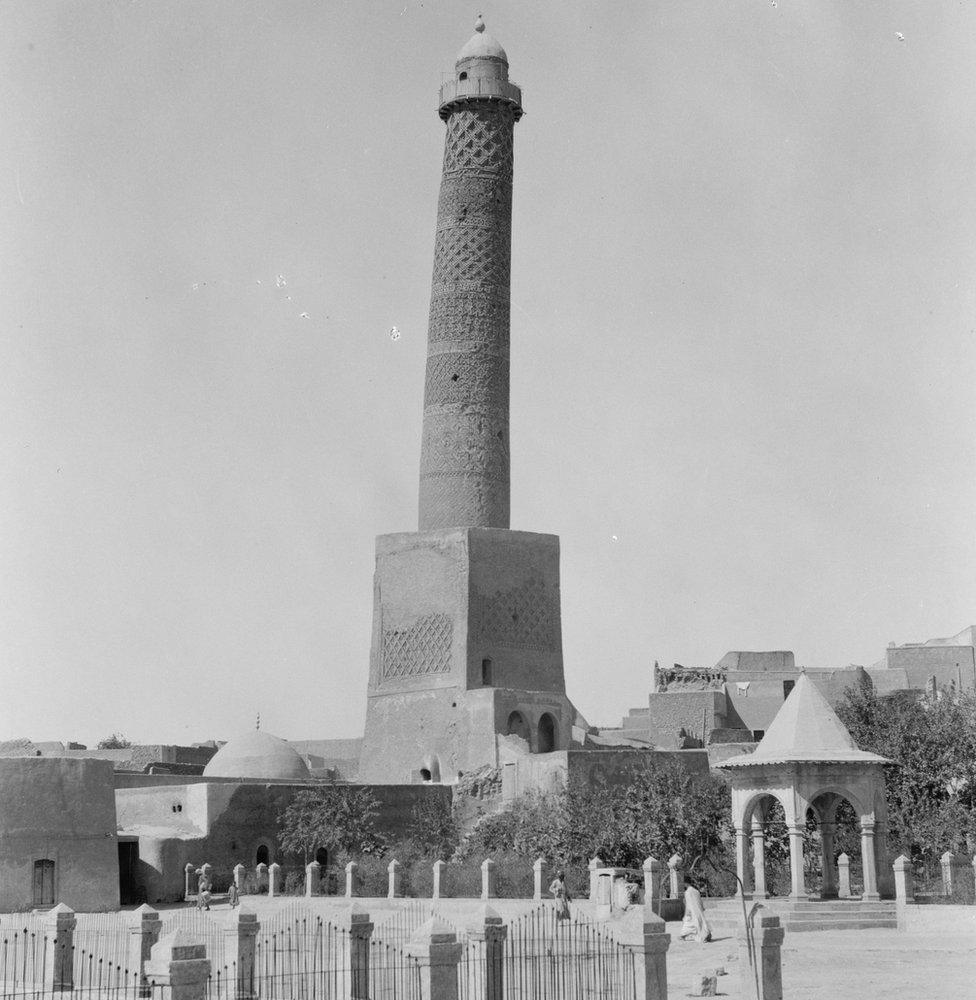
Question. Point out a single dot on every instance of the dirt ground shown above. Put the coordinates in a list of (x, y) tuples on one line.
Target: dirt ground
[(836, 965)]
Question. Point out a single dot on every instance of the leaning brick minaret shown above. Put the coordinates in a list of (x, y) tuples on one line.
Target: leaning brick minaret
[(466, 659), (464, 462)]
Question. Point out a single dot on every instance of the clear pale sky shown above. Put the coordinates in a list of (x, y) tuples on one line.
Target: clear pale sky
[(742, 340)]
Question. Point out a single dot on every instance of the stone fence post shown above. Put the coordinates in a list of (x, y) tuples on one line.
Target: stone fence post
[(240, 878), (352, 879), (179, 965), (491, 933), (952, 864), (359, 928), (393, 875), (651, 959), (652, 884), (274, 880), (438, 953), (206, 871), (488, 879), (761, 969), (144, 926), (593, 864), (313, 879), (260, 876), (537, 868), (844, 876), (677, 876), (904, 880), (240, 951), (189, 881), (438, 874), (59, 930)]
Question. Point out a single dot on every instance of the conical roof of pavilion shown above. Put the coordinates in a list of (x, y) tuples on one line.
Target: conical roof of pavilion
[(806, 730)]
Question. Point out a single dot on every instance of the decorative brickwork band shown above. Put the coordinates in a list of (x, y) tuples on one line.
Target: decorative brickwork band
[(464, 464)]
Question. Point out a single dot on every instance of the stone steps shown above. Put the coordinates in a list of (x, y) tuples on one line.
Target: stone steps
[(810, 915)]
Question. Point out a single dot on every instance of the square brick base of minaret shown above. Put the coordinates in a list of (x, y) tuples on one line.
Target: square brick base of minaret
[(467, 646)]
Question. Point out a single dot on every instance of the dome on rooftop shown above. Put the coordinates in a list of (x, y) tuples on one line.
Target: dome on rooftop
[(481, 45), (257, 755)]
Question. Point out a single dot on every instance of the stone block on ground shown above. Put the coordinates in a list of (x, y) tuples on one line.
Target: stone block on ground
[(704, 986)]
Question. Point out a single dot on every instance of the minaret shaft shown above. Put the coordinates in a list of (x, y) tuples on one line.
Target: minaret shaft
[(464, 465)]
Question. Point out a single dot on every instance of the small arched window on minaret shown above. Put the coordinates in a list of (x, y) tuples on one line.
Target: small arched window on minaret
[(462, 76), (486, 672)]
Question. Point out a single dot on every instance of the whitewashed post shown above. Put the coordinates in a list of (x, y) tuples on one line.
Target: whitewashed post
[(438, 953), (189, 881), (438, 874), (260, 876), (677, 876), (904, 880), (593, 864), (537, 867), (651, 959), (352, 879), (489, 930), (652, 885), (488, 879), (313, 879), (240, 878), (951, 863), (144, 926), (179, 961), (844, 876), (274, 880), (240, 949), (59, 930), (393, 875), (761, 971), (359, 928)]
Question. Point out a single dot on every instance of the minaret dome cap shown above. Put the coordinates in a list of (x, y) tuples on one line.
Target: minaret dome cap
[(481, 45)]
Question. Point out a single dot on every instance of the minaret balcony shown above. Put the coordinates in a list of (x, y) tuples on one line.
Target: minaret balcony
[(455, 91)]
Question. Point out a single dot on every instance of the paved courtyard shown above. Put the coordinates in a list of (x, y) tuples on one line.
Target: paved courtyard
[(835, 965)]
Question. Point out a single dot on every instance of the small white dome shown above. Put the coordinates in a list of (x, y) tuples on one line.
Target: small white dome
[(481, 45), (257, 755)]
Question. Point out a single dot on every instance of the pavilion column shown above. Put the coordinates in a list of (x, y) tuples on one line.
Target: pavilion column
[(868, 864), (742, 859), (828, 889), (758, 860), (798, 887)]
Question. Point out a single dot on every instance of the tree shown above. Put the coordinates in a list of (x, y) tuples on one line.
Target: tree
[(662, 810), (931, 782), (115, 742), (336, 817), (433, 829)]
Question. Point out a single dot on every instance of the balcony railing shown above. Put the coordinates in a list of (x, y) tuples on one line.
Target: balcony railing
[(453, 90)]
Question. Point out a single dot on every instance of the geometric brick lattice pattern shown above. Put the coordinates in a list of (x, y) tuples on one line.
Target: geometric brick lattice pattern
[(523, 617), (470, 376), (424, 648), (480, 137), (464, 463)]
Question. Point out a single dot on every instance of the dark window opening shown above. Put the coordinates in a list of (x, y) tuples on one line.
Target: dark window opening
[(261, 858), (758, 734), (425, 774), (787, 688), (463, 76), (486, 672), (44, 882)]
